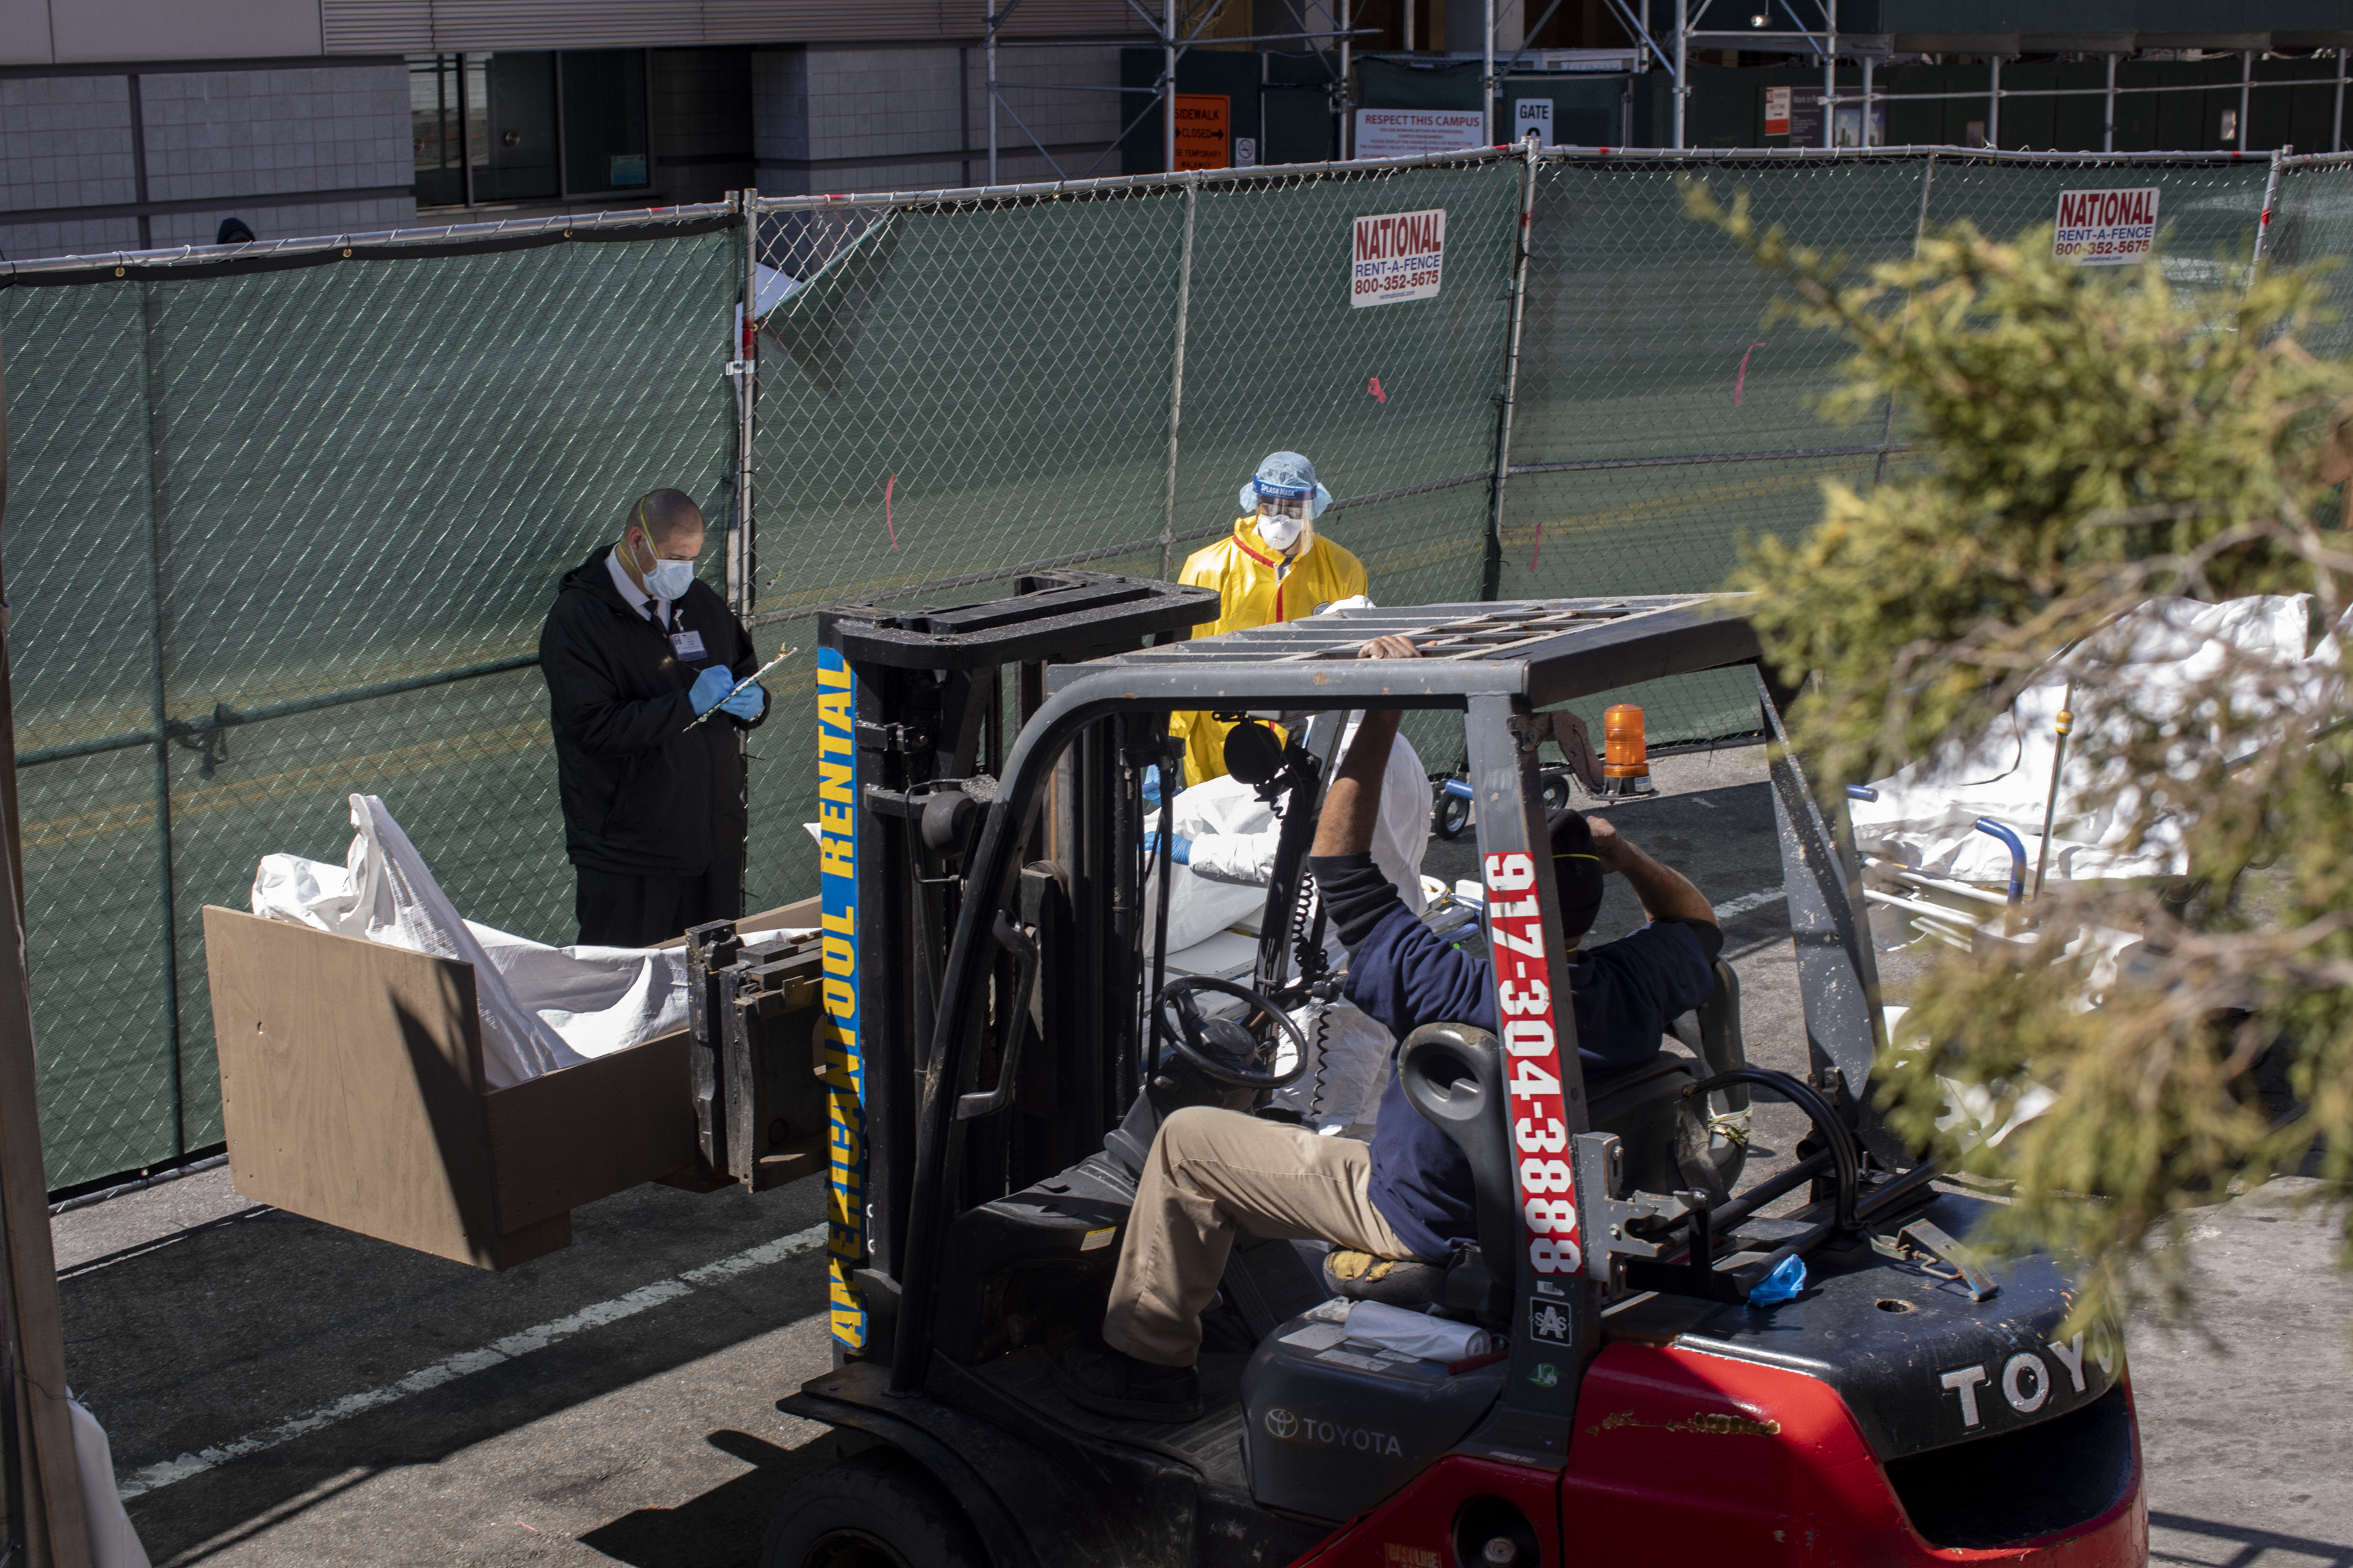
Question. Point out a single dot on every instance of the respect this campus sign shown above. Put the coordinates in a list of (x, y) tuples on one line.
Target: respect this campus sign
[(2105, 228)]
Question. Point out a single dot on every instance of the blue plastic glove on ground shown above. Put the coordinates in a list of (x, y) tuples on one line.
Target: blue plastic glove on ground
[(709, 686), (747, 703), (1180, 851), (1780, 1285)]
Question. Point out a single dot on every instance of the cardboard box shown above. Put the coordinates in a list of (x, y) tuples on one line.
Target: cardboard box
[(352, 1092)]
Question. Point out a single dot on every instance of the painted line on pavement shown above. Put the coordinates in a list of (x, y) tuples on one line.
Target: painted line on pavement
[(1747, 902), (467, 1363)]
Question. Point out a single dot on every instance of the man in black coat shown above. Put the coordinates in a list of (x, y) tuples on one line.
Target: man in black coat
[(636, 650)]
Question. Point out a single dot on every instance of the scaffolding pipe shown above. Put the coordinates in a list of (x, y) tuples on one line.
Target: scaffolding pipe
[(1487, 78), (1347, 141), (2246, 80), (1169, 85), (2336, 121), (2109, 131), (1829, 76), (991, 94), (1993, 104), (1682, 61), (1862, 138)]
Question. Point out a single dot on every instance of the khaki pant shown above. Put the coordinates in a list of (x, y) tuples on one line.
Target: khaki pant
[(1212, 1172)]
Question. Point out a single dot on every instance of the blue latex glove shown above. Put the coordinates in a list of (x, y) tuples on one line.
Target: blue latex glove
[(1779, 1285), (1152, 787), (1180, 851), (709, 686), (746, 704)]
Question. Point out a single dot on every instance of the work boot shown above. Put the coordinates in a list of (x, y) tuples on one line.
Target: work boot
[(1112, 1382)]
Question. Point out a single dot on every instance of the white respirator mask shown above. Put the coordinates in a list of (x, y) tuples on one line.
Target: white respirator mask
[(1279, 532), (669, 580)]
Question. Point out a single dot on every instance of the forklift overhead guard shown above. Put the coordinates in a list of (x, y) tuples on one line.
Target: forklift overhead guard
[(994, 1084)]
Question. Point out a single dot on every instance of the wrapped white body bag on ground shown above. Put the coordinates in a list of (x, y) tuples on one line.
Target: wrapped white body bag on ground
[(1925, 816), (542, 1008)]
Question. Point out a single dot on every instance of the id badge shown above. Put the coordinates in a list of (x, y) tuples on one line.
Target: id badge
[(688, 645)]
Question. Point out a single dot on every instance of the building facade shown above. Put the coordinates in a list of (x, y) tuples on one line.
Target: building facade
[(136, 124)]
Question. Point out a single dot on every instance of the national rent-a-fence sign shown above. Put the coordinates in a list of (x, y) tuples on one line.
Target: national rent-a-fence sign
[(2105, 228)]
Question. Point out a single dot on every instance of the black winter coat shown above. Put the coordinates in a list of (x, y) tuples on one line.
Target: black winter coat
[(642, 794)]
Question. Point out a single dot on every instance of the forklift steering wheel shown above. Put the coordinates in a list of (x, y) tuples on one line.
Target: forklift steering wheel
[(1192, 1034)]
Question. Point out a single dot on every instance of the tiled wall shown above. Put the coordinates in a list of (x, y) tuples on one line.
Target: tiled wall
[(264, 132), (220, 138), (701, 123), (822, 102), (65, 141)]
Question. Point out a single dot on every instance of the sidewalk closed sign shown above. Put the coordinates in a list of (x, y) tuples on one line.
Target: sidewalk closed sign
[(1396, 257), (1203, 121), (2105, 229)]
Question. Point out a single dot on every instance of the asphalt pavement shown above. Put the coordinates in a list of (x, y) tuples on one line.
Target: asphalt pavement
[(280, 1393)]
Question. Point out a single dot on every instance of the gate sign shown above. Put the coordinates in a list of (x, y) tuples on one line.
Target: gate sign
[(1539, 1117), (1396, 256), (2105, 229)]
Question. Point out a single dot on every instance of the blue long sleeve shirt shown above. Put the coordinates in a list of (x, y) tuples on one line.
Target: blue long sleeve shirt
[(1622, 993)]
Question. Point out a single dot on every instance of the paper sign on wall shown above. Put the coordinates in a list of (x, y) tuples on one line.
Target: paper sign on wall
[(1396, 257), (1401, 132), (1777, 111), (1533, 114), (2105, 229)]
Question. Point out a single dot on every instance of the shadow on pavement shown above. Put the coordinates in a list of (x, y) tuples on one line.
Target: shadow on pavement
[(722, 1528), (2253, 1546)]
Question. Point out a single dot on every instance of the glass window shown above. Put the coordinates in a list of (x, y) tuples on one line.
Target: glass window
[(605, 121), (485, 128), (433, 122), (514, 149)]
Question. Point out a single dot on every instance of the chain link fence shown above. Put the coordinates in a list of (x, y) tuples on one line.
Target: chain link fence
[(329, 487), (1660, 417), (285, 528)]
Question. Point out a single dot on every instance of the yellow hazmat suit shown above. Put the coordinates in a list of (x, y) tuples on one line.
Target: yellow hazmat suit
[(1256, 587)]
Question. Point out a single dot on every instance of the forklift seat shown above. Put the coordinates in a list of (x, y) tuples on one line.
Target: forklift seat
[(1641, 1102)]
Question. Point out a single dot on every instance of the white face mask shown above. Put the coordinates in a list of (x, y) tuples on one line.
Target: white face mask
[(1280, 532), (668, 579)]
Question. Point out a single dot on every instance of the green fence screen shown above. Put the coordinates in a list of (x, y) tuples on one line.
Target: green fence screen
[(284, 529)]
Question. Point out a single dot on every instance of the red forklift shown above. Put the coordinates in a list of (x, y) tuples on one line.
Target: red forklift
[(1003, 1033)]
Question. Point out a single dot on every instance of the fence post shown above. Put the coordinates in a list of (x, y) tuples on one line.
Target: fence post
[(42, 1517), (1491, 577), (1920, 228), (741, 545), (2271, 200), (1176, 376), (158, 512)]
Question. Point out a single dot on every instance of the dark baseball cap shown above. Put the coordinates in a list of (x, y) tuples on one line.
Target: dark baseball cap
[(1575, 871)]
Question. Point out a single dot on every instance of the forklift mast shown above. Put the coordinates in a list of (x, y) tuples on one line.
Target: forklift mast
[(916, 709)]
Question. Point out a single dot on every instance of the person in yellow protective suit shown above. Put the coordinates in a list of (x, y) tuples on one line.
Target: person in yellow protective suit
[(1273, 567)]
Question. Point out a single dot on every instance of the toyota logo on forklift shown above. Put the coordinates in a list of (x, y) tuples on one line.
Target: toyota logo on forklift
[(1573, 1375)]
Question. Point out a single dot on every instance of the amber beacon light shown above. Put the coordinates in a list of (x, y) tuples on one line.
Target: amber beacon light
[(1624, 754)]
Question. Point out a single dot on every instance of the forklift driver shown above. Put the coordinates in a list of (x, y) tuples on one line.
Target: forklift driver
[(1408, 1194)]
